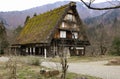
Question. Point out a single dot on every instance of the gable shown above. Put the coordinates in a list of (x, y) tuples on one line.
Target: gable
[(69, 21), (71, 24)]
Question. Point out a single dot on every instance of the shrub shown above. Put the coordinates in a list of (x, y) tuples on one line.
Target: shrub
[(115, 47), (114, 62), (11, 65), (1, 52), (33, 61)]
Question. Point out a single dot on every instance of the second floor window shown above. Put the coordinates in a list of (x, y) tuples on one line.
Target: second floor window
[(69, 17), (62, 34), (63, 24), (74, 35)]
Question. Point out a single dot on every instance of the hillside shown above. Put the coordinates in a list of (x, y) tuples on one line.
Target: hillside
[(102, 31), (109, 18), (15, 18)]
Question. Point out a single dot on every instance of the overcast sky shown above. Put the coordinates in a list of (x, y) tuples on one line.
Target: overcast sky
[(11, 5)]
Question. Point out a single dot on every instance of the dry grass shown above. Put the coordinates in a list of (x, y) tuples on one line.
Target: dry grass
[(115, 61), (24, 70)]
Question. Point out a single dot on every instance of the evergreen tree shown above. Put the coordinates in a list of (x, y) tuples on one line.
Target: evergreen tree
[(17, 30), (3, 38), (35, 14), (27, 18)]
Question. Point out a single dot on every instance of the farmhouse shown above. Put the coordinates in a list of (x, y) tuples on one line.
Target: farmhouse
[(51, 33)]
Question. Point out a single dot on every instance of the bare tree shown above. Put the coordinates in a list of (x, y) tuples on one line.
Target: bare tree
[(63, 61), (112, 5), (101, 38)]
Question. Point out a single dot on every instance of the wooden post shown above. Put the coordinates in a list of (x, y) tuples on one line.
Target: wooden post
[(30, 50), (84, 51), (34, 50), (27, 50), (39, 51), (45, 53), (15, 51)]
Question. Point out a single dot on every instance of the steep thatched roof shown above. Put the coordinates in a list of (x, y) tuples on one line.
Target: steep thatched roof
[(40, 28)]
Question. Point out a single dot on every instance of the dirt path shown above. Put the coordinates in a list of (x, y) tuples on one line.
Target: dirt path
[(97, 69)]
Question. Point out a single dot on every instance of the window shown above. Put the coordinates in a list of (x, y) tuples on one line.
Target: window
[(63, 24), (62, 34), (75, 26), (69, 17), (75, 35)]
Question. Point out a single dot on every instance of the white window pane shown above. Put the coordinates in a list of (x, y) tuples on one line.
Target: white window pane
[(69, 16), (63, 24), (73, 18), (75, 25), (75, 35), (62, 34)]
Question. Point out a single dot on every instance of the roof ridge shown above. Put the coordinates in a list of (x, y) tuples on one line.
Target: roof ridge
[(71, 3), (62, 6)]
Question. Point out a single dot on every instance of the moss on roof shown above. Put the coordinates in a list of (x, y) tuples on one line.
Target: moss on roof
[(38, 29)]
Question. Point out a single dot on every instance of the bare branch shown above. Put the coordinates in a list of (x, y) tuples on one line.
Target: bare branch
[(97, 8), (113, 3)]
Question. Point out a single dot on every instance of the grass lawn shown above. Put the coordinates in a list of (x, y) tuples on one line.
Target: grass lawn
[(29, 68)]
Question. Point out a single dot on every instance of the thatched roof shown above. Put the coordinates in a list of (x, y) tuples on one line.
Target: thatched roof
[(39, 29)]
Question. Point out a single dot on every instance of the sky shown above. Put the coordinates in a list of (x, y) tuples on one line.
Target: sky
[(18, 5)]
